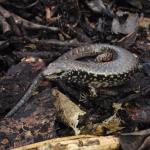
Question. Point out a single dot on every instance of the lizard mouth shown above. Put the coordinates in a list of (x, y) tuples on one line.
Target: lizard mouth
[(51, 77)]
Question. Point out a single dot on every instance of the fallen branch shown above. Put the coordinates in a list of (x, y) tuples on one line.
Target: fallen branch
[(25, 23), (82, 142), (69, 43)]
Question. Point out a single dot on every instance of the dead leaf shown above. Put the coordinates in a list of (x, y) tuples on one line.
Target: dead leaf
[(5, 141), (126, 26)]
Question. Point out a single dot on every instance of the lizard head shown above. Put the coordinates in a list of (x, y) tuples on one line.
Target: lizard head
[(54, 71)]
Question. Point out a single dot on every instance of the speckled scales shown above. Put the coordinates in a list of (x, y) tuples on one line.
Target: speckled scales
[(106, 74)]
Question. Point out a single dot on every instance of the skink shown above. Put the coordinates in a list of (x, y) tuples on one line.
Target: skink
[(106, 74)]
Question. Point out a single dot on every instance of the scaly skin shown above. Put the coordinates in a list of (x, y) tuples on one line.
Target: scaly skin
[(107, 74), (95, 75)]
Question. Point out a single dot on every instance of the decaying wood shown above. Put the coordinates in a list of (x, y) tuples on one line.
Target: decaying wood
[(68, 111), (82, 142), (34, 122)]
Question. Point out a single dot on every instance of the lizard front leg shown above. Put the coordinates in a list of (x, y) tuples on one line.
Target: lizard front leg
[(92, 90)]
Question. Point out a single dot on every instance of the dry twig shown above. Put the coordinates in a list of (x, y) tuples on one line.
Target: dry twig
[(25, 23)]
